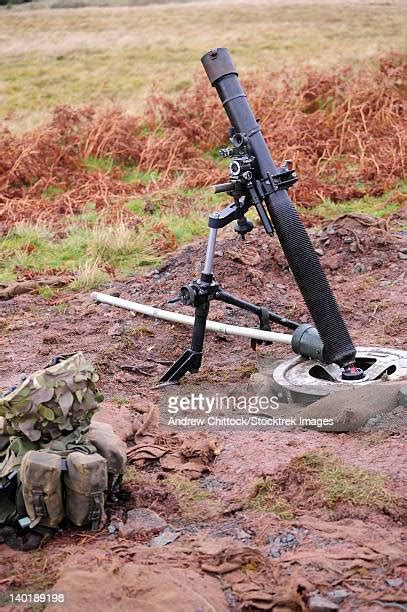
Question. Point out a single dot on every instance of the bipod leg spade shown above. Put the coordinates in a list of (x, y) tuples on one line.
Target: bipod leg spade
[(190, 360)]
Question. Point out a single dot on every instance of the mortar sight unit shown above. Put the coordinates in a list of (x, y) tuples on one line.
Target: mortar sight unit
[(256, 181)]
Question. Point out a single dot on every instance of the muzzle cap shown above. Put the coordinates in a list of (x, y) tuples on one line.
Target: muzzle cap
[(217, 64)]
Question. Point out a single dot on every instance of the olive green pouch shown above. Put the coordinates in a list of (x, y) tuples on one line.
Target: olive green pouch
[(109, 445), (85, 484), (40, 476)]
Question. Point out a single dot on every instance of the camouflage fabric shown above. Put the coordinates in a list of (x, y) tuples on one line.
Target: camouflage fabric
[(52, 402), (11, 457), (10, 460)]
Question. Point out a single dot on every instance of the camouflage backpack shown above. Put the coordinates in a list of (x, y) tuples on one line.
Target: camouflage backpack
[(56, 463)]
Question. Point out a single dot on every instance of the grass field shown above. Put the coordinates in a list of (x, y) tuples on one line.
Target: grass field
[(72, 56)]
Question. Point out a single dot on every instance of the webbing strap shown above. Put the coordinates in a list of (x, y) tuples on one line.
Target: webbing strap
[(95, 510), (40, 508)]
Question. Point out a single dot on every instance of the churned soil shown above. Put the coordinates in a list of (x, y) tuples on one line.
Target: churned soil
[(249, 513)]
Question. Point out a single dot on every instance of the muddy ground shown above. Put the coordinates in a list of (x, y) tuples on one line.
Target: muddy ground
[(231, 548)]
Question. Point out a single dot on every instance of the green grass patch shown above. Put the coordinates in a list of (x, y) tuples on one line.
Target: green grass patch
[(183, 212), (46, 292), (130, 474), (136, 206), (133, 175), (376, 206), (130, 173), (89, 245), (186, 228), (61, 308), (26, 235), (103, 164), (87, 250), (88, 216), (51, 192), (194, 502), (89, 276), (340, 482), (267, 497)]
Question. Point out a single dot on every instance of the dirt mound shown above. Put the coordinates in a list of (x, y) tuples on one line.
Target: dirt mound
[(343, 130), (351, 244), (353, 236), (315, 482), (136, 587), (158, 496)]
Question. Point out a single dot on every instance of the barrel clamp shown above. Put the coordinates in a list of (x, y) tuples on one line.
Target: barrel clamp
[(284, 179)]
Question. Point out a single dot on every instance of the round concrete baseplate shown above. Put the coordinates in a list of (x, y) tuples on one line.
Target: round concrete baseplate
[(303, 381), (402, 397)]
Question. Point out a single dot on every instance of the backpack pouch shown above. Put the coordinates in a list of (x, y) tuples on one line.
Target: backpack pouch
[(110, 446), (86, 484), (40, 476)]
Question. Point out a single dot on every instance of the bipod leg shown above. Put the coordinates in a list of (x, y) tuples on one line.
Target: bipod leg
[(198, 294)]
